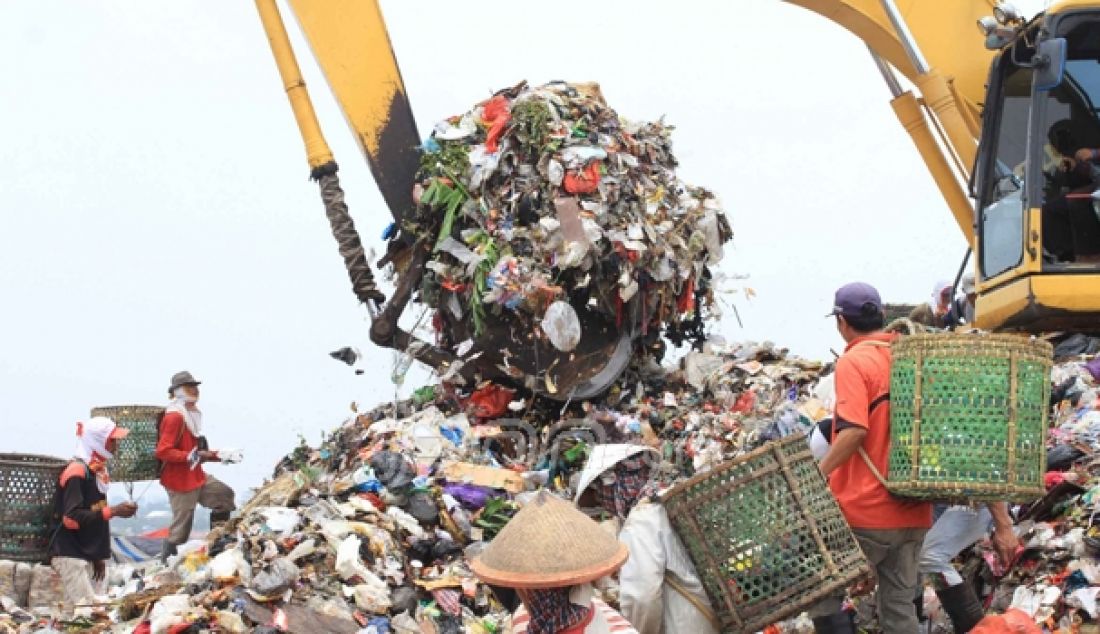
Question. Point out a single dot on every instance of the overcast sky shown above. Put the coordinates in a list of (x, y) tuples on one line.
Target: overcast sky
[(155, 211)]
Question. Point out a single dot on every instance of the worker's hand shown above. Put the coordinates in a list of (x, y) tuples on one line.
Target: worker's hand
[(99, 570), (124, 510), (1084, 154), (1005, 543), (1067, 165), (208, 456)]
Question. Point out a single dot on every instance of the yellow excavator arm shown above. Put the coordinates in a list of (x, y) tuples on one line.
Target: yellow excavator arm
[(940, 53), (992, 91), (944, 31)]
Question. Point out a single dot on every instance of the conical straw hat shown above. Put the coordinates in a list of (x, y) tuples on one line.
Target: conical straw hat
[(549, 544)]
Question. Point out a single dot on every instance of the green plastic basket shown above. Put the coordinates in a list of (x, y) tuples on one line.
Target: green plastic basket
[(135, 458), (28, 485), (968, 417), (766, 535)]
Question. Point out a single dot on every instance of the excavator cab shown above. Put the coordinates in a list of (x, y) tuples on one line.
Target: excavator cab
[(1037, 177)]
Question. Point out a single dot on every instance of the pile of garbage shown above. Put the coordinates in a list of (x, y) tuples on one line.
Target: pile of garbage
[(372, 530), (541, 202)]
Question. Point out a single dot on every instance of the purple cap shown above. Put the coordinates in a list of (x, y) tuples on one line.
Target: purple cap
[(851, 298)]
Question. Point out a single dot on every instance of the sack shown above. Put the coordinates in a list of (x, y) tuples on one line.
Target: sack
[(47, 590)]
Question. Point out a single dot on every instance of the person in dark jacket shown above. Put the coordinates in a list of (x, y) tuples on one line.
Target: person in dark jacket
[(82, 543)]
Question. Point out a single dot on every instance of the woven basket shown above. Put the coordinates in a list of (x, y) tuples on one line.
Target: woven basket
[(135, 458), (968, 417), (28, 485), (766, 535)]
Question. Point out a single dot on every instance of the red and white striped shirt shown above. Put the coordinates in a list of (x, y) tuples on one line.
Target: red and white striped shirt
[(602, 620)]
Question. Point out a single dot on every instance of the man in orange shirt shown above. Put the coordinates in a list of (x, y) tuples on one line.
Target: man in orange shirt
[(889, 530), (181, 449)]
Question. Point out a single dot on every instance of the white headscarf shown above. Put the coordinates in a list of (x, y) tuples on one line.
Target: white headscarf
[(91, 447), (92, 439), (185, 405)]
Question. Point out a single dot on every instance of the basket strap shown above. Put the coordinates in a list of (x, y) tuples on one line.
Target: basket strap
[(870, 465), (703, 608), (873, 343)]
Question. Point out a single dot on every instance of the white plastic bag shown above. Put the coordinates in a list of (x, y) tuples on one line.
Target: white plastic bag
[(348, 563), (230, 565), (279, 519), (562, 326), (169, 610)]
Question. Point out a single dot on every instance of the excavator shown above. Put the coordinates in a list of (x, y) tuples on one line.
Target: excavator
[(1000, 108)]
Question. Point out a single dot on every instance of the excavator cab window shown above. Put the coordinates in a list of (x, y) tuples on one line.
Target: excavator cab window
[(1001, 167), (1065, 150)]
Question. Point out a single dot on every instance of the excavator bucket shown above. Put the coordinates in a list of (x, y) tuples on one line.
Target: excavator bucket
[(351, 44)]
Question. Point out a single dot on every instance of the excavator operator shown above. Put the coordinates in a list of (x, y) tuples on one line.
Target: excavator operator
[(1071, 226)]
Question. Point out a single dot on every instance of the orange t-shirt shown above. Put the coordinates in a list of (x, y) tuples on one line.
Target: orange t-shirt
[(863, 400)]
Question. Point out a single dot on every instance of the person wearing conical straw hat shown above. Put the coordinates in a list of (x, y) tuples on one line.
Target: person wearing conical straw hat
[(659, 590), (549, 553)]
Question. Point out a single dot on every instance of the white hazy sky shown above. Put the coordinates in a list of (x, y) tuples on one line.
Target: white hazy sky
[(155, 211)]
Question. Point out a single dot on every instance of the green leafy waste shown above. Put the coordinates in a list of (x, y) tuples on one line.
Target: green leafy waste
[(447, 195), (495, 516), (531, 119), (483, 244), (452, 157)]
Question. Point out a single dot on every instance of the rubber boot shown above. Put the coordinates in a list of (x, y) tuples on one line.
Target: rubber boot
[(167, 550), (962, 607), (218, 519), (839, 623)]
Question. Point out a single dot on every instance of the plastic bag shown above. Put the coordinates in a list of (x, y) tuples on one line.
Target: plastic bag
[(279, 519), (491, 401), (583, 181), (230, 456), (1011, 622), (169, 610), (276, 579), (230, 622), (348, 563), (230, 565), (305, 549), (372, 597), (562, 326)]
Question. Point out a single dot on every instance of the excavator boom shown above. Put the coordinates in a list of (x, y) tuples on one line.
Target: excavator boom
[(352, 46), (943, 31)]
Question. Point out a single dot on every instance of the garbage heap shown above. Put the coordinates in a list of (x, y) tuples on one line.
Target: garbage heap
[(372, 530), (547, 212), (547, 192)]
